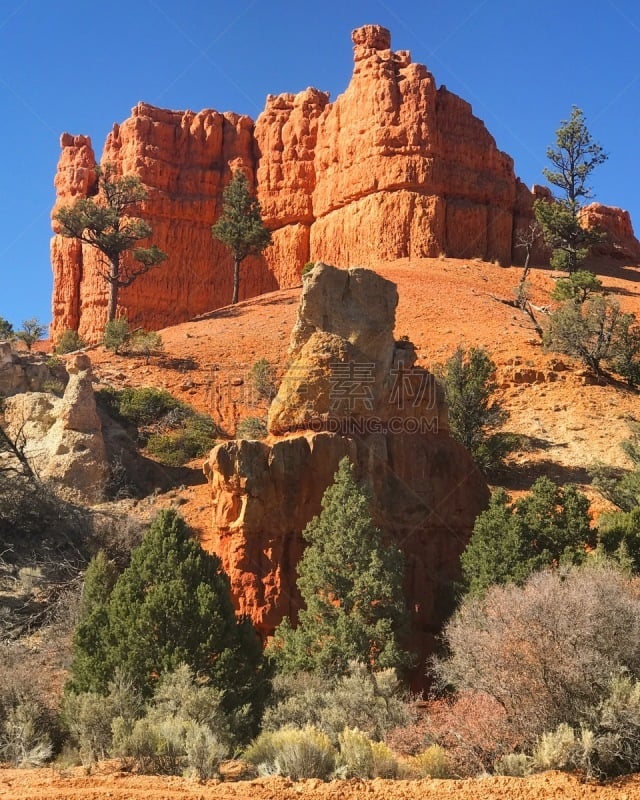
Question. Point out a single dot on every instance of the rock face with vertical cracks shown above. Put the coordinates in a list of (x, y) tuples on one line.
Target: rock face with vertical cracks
[(395, 167), (389, 418)]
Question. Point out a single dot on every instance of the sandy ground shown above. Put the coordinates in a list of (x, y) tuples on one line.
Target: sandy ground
[(107, 782)]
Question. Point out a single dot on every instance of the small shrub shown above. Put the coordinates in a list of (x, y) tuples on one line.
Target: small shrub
[(145, 343), (555, 749), (295, 753), (69, 342), (385, 764), (6, 330), (262, 749), (262, 379), (431, 763), (138, 406), (193, 440), (54, 386), (514, 765), (355, 758), (89, 717), (251, 428), (203, 752), (23, 742), (116, 334)]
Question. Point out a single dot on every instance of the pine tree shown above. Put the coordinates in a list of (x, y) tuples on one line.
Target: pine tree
[(108, 224), (172, 606), (574, 158), (240, 227), (351, 584)]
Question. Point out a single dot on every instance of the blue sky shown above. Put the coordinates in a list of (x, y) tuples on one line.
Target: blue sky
[(81, 66)]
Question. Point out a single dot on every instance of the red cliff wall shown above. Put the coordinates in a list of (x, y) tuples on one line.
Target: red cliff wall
[(395, 167)]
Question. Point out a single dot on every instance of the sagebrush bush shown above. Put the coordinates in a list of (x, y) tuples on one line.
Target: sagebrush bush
[(385, 764), (431, 763), (294, 753), (89, 716), (355, 757), (556, 749), (204, 752), (24, 741), (372, 702), (515, 765), (168, 744)]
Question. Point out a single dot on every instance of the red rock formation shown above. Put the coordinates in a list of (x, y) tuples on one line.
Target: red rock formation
[(426, 490), (184, 160), (615, 224), (395, 167)]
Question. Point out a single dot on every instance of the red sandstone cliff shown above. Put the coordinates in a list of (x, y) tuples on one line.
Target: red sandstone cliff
[(395, 167)]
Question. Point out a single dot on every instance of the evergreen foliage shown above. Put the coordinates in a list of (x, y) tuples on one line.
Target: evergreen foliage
[(586, 330), (108, 223), (512, 540), (68, 342), (573, 158), (6, 330), (351, 584), (170, 607), (577, 287), (474, 416), (240, 226), (116, 334)]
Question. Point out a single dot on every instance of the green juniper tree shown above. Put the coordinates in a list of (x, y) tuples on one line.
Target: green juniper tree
[(171, 606), (240, 226), (108, 223), (351, 584), (574, 158), (512, 540), (474, 414)]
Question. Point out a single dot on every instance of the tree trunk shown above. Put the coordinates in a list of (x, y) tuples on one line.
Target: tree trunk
[(236, 281), (112, 303)]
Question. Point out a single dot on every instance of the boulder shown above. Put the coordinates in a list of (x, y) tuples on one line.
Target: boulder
[(62, 437)]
